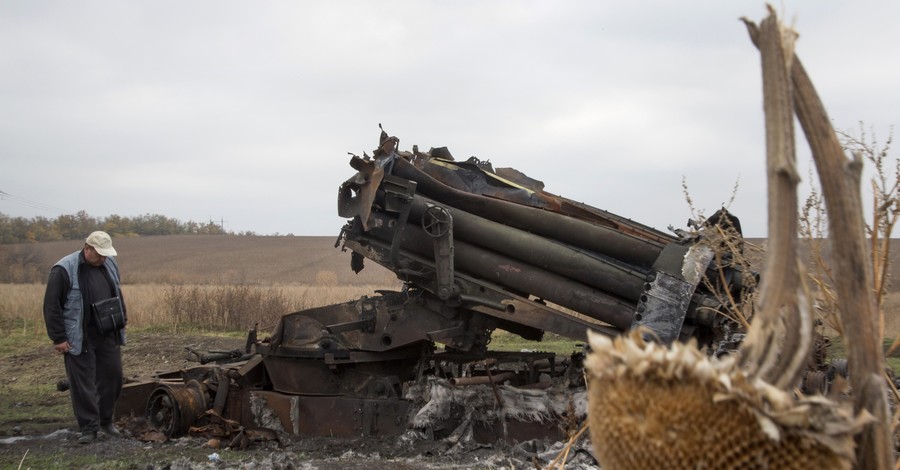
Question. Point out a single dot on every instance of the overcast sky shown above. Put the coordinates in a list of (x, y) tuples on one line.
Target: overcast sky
[(244, 112)]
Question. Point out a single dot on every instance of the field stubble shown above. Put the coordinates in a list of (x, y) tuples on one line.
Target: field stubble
[(164, 307)]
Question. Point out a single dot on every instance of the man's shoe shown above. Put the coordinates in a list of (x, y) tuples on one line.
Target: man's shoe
[(87, 437), (110, 430)]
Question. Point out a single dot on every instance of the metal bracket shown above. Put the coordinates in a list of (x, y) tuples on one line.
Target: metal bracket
[(366, 322), (398, 197), (438, 224), (667, 294)]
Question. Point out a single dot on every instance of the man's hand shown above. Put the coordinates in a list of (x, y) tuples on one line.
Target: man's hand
[(63, 347)]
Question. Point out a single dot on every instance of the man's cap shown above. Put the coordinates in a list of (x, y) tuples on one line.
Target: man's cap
[(102, 243)]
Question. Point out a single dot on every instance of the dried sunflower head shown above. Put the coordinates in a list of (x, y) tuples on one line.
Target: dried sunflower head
[(655, 406)]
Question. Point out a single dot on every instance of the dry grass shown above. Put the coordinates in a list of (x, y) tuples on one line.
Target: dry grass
[(892, 315), (306, 271), (190, 282), (21, 305), (20, 308)]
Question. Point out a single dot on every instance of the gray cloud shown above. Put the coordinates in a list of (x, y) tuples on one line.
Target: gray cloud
[(246, 111)]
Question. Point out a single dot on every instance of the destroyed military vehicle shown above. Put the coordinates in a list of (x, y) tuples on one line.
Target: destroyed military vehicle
[(478, 249)]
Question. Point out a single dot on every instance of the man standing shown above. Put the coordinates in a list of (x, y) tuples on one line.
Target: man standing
[(93, 359)]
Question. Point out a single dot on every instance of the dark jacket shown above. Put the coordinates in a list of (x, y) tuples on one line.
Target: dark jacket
[(64, 302)]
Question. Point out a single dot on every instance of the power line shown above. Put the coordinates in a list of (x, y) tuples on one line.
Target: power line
[(5, 196)]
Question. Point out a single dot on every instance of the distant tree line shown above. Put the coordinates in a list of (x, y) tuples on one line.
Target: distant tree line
[(78, 226)]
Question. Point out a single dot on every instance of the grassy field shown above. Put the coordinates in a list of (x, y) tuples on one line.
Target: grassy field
[(239, 281), (282, 274), (150, 305)]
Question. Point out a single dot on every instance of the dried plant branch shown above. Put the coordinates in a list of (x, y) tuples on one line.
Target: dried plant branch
[(563, 456), (812, 221), (783, 291), (840, 185)]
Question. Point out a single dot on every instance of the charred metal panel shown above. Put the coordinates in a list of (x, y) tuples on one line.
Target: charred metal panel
[(541, 317), (391, 321), (337, 416), (365, 183), (132, 401), (663, 306), (513, 431)]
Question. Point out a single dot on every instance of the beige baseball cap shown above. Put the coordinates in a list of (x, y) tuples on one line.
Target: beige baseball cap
[(102, 243)]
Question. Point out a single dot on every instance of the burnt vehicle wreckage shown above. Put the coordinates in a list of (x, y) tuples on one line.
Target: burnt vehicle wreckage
[(478, 249)]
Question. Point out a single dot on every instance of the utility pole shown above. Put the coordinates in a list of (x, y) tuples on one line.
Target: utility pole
[(221, 224)]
